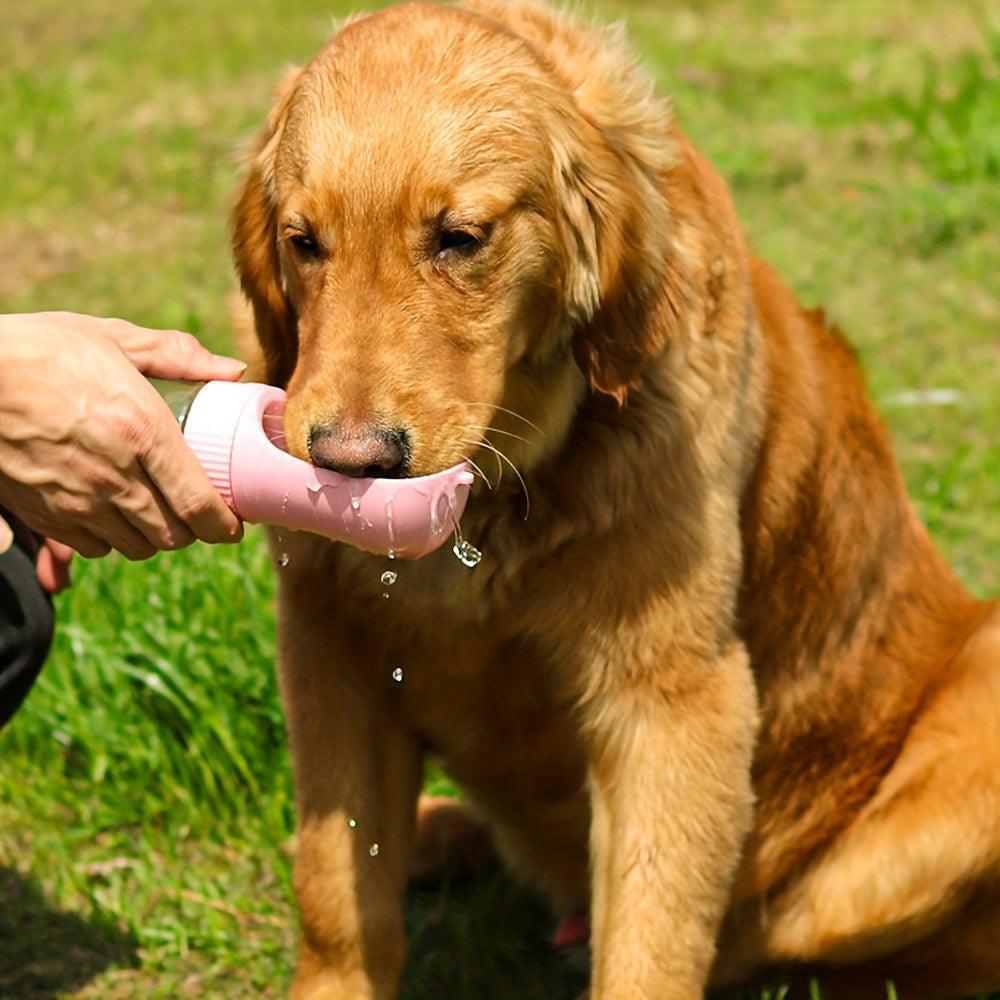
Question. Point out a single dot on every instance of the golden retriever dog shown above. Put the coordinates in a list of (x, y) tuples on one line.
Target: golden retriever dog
[(714, 686)]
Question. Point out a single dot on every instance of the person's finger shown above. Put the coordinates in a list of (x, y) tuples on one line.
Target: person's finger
[(83, 542), (106, 529), (52, 566), (87, 545), (148, 512), (6, 536), (191, 496), (114, 529), (177, 474), (172, 354)]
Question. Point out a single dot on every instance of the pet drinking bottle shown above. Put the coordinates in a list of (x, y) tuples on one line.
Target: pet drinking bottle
[(236, 431)]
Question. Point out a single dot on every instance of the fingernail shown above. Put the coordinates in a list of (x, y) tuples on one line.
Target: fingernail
[(229, 362)]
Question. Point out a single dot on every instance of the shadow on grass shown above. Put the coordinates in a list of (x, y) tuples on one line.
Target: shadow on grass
[(46, 952), (486, 939)]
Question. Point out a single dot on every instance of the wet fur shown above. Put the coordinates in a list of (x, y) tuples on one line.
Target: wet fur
[(717, 685)]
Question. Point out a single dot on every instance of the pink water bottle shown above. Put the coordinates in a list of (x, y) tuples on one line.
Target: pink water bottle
[(236, 430)]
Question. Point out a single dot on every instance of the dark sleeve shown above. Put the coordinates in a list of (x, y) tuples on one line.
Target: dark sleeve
[(26, 623)]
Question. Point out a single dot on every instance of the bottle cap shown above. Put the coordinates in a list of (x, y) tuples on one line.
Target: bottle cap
[(210, 428)]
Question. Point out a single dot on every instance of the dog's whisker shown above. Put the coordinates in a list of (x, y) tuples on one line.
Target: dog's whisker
[(503, 409), (478, 443), (493, 430), (480, 471), (524, 486)]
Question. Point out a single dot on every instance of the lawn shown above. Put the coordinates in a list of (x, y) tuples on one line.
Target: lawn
[(145, 802)]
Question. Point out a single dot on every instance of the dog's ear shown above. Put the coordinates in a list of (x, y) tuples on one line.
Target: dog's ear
[(625, 288), (255, 247)]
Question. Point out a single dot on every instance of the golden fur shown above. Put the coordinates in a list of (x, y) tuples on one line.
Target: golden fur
[(716, 686)]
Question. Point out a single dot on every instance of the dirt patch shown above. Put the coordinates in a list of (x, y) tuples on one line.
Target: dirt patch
[(29, 259)]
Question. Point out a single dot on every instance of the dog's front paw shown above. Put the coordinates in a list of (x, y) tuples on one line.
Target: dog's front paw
[(330, 986), (343, 976)]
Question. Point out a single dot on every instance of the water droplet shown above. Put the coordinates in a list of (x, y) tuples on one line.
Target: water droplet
[(355, 503), (352, 823), (388, 578), (283, 559), (397, 675), (373, 850), (440, 513), (392, 553), (467, 553), (389, 523), (385, 594)]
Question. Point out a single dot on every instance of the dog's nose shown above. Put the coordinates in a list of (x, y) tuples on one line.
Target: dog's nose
[(372, 452)]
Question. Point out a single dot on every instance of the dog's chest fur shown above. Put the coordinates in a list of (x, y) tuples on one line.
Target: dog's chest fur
[(451, 657)]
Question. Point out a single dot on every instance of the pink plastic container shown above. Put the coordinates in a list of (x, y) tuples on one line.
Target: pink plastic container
[(236, 430)]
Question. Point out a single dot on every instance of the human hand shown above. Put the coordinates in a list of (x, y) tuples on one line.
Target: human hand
[(90, 455)]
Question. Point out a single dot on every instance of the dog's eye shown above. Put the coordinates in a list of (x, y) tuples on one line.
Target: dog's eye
[(458, 243), (304, 244)]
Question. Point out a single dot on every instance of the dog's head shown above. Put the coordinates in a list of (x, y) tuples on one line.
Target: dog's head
[(451, 214)]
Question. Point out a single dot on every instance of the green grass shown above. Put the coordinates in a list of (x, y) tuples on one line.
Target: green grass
[(144, 789)]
